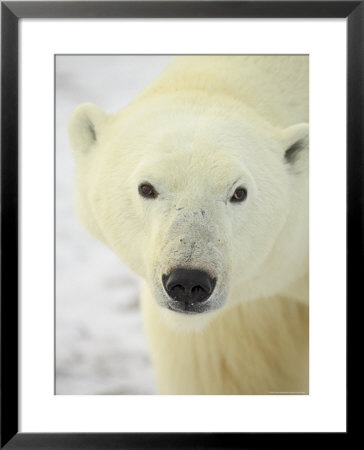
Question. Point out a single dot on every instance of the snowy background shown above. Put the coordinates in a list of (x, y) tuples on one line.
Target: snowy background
[(100, 345)]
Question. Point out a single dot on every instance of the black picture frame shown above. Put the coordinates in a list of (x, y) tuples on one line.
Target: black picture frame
[(11, 12)]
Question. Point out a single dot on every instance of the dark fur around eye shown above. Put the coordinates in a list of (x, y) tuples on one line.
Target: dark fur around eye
[(146, 190), (239, 195)]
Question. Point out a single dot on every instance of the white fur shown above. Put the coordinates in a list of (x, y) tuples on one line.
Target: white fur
[(205, 126)]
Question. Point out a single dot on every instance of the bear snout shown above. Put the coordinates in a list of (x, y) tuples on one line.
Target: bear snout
[(188, 288)]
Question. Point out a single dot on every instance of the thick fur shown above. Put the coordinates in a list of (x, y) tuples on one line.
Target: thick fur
[(205, 126)]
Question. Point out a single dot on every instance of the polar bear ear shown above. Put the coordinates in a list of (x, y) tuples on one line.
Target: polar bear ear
[(84, 126), (295, 141)]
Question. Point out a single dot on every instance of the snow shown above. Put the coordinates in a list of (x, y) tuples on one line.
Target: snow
[(100, 344)]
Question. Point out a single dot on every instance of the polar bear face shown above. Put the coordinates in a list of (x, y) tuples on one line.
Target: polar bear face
[(199, 204)]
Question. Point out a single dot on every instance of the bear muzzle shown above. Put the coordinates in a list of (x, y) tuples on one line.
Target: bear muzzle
[(188, 290)]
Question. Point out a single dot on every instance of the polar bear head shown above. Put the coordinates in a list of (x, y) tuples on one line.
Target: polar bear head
[(207, 203)]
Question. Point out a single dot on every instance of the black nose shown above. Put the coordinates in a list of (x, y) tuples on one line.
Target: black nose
[(188, 286)]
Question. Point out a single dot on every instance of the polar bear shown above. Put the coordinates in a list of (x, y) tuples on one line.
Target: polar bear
[(200, 185)]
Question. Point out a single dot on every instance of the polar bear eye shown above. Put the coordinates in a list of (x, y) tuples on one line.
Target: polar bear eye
[(239, 195), (147, 190)]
